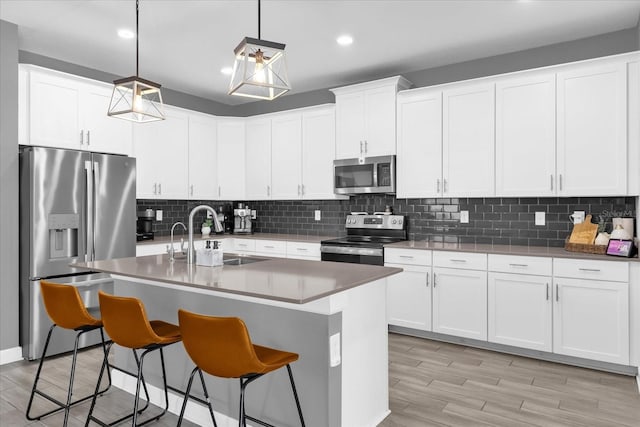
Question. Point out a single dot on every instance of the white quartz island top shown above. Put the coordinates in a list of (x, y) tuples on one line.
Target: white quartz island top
[(278, 279)]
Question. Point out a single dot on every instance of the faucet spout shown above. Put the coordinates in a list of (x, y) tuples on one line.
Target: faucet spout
[(170, 249), (216, 225)]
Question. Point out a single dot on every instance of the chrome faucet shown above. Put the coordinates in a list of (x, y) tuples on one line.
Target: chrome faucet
[(216, 225), (170, 249)]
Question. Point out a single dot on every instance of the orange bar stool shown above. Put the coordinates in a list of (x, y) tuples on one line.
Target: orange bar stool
[(66, 310), (221, 347), (126, 322)]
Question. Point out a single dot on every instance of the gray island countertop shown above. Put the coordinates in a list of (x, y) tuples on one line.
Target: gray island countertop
[(279, 279)]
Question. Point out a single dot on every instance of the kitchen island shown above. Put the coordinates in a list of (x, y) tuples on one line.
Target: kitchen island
[(332, 314)]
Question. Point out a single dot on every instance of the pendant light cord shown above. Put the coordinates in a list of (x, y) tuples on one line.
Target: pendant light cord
[(259, 20), (137, 42)]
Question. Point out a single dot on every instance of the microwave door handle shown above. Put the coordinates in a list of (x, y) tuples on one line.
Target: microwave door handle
[(89, 212)]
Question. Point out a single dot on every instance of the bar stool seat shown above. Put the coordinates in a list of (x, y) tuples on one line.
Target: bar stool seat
[(126, 322), (221, 347), (66, 310)]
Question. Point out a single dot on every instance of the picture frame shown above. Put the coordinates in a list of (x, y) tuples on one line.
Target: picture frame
[(621, 247)]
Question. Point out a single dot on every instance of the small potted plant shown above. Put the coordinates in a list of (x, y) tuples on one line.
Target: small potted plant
[(206, 227), (603, 237)]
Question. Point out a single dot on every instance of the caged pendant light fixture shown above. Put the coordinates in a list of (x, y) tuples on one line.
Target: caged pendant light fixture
[(259, 69), (135, 98)]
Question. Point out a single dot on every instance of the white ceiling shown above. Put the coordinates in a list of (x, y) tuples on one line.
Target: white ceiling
[(185, 43)]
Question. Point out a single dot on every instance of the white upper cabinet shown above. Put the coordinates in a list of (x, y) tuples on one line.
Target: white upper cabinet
[(286, 156), (525, 136), (419, 158), (161, 150), (366, 118), (64, 111), (592, 130), (203, 176), (318, 152), (231, 159), (258, 159), (468, 141)]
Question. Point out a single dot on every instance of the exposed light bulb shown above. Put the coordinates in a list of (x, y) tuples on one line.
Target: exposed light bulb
[(259, 72)]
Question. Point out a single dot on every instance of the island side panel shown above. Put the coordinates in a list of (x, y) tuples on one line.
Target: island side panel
[(269, 398)]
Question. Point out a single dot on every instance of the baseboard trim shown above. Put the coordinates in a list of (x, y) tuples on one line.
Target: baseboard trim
[(195, 412), (10, 355)]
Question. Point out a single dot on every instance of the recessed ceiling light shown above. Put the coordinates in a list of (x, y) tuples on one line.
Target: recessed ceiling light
[(126, 33), (344, 40), (227, 71)]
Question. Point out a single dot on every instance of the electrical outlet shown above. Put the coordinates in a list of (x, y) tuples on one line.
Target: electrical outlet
[(540, 218), (254, 214), (158, 215), (464, 217), (209, 214), (318, 215)]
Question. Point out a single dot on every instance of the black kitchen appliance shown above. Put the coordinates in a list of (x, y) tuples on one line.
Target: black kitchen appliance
[(365, 240), (144, 225)]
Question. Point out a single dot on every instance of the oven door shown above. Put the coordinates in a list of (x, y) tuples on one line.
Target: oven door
[(355, 255)]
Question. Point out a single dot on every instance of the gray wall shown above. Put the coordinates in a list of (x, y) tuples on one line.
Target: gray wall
[(8, 185)]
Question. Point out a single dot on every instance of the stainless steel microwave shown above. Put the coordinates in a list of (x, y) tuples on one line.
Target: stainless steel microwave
[(365, 175)]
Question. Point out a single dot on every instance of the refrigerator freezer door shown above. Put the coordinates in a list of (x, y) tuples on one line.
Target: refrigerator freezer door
[(52, 210), (114, 209)]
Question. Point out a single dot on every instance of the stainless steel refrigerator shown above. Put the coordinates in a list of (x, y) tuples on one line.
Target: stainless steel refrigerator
[(75, 206)]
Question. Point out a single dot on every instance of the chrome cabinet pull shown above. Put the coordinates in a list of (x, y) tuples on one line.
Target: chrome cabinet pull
[(560, 182), (302, 187), (360, 147), (406, 256), (81, 137), (547, 292), (268, 190), (88, 137), (159, 188), (366, 147), (457, 260), (592, 270), (434, 280), (269, 247), (438, 186), (557, 293), (551, 176), (301, 249), (427, 280), (192, 189), (444, 185), (155, 188), (218, 191), (519, 265), (298, 189)]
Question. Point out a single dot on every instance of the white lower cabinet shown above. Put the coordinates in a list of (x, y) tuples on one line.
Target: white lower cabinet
[(303, 250), (409, 297), (519, 310), (591, 319), (460, 302)]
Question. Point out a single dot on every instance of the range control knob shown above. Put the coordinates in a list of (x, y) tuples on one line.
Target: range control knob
[(399, 222), (394, 221)]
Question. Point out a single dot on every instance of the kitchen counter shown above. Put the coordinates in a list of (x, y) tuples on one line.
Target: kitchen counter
[(265, 236), (279, 279), (505, 250)]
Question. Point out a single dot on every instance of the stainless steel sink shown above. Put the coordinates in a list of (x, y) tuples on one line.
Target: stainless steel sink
[(241, 260)]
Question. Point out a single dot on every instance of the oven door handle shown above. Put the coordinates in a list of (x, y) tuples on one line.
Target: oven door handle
[(347, 250)]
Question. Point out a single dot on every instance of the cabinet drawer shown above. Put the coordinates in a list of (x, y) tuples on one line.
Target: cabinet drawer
[(539, 266), (407, 256), (463, 260), (296, 249), (244, 245), (271, 246), (591, 269)]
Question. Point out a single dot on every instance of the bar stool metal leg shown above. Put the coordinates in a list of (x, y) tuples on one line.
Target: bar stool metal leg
[(69, 403), (188, 393), (295, 395)]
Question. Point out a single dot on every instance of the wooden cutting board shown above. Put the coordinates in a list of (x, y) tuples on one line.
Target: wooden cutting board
[(585, 232)]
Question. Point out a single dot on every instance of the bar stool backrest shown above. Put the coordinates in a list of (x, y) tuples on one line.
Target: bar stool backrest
[(65, 307), (126, 322), (220, 346)]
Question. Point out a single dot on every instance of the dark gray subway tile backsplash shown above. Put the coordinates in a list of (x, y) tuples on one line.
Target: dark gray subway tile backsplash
[(491, 220)]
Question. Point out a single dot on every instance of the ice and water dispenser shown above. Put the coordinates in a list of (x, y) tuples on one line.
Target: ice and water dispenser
[(63, 235)]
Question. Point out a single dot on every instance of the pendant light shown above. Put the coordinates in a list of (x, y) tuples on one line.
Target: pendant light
[(259, 69), (134, 98)]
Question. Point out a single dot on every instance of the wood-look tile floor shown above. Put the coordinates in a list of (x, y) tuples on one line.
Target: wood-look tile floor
[(431, 384)]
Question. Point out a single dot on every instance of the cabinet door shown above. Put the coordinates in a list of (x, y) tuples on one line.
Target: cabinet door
[(54, 111), (519, 309), (591, 319), (318, 152), (380, 121), (468, 141), (526, 136), (460, 302), (592, 131), (258, 159), (162, 157), (286, 157), (419, 159), (203, 176), (409, 297), (231, 160), (350, 123), (103, 133)]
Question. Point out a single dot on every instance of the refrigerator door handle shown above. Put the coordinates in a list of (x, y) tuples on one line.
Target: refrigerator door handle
[(89, 198), (94, 202)]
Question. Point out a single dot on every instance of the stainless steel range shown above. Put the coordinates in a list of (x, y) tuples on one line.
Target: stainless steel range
[(365, 240)]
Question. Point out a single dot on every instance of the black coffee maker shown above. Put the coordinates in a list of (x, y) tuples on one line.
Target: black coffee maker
[(144, 225)]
